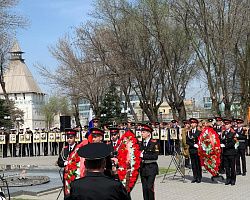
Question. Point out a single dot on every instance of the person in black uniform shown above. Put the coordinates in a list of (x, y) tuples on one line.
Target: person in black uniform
[(96, 136), (192, 141), (66, 151), (95, 185), (241, 153), (219, 127), (149, 167), (229, 152), (114, 134)]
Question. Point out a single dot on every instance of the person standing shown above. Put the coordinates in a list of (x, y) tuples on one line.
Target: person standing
[(95, 185), (228, 141), (66, 151), (241, 136), (185, 147), (149, 167), (192, 141)]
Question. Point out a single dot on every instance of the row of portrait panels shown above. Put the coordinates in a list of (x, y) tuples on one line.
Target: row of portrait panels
[(60, 136)]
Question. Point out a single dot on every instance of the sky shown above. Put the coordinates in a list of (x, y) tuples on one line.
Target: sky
[(50, 20)]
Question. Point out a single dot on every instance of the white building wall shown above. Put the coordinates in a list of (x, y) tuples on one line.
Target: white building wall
[(30, 104)]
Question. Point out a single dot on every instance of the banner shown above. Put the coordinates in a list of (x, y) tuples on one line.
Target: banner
[(164, 134), (44, 137), (156, 134), (2, 139), (27, 137), (106, 136), (21, 138), (12, 139), (36, 137), (58, 137), (51, 137)]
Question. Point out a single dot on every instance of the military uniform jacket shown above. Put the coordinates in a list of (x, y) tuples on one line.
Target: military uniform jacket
[(228, 139), (149, 164), (192, 139), (242, 138), (97, 186), (64, 156)]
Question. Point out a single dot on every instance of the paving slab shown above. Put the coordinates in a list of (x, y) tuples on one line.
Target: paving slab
[(171, 189)]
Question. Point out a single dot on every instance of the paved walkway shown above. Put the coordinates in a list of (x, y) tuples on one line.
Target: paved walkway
[(171, 189)]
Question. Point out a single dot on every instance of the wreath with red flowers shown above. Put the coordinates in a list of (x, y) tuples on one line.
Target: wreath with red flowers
[(128, 160), (209, 150), (75, 168)]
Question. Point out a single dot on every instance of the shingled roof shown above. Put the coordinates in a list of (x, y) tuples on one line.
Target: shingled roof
[(17, 77)]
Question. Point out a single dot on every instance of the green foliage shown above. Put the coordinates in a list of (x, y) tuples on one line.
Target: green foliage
[(4, 111), (111, 106), (55, 105)]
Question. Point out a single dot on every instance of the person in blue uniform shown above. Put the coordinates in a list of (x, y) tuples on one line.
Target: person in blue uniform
[(149, 167), (95, 185)]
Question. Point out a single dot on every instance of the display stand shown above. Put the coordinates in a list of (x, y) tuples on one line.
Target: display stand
[(178, 160)]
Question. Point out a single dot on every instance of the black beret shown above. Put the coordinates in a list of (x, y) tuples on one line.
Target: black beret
[(94, 151)]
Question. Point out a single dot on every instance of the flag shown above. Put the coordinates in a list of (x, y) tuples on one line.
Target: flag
[(91, 123)]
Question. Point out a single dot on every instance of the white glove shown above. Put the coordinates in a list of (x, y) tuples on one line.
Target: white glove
[(196, 146), (141, 155), (237, 135), (65, 163), (222, 145)]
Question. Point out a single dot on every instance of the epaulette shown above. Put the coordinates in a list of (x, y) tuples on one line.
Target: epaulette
[(152, 140)]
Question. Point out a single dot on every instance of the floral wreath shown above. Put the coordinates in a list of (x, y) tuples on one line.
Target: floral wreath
[(128, 160), (75, 167), (209, 150)]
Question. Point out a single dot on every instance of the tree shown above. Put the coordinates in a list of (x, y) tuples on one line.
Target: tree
[(55, 105), (136, 42), (111, 106), (9, 22), (214, 29)]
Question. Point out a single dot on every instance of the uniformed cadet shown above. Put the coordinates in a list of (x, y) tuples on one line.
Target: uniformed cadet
[(4, 146), (36, 145), (149, 167), (228, 141), (241, 136), (192, 141), (114, 134), (67, 150), (219, 128), (21, 146), (12, 146), (95, 185), (96, 136), (64, 155), (185, 146)]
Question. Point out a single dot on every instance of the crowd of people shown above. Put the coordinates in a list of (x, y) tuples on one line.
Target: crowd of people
[(165, 138)]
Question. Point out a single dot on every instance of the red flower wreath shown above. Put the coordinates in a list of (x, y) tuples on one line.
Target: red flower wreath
[(128, 160), (209, 150)]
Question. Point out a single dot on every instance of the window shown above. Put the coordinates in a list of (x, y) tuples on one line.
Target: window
[(23, 96)]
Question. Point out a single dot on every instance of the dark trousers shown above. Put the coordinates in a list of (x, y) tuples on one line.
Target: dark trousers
[(12, 147), (241, 154), (45, 148), (196, 166), (222, 166), (5, 150), (229, 161), (37, 149), (148, 187)]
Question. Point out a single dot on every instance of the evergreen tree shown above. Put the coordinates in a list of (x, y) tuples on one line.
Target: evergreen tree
[(111, 106)]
